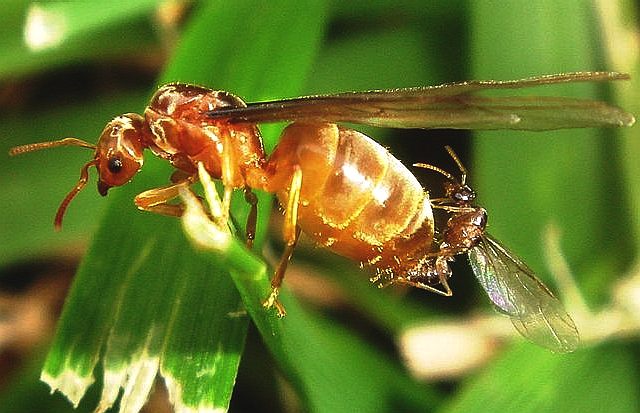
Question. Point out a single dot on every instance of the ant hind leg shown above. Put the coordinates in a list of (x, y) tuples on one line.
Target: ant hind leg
[(250, 229), (434, 272), (291, 233), (445, 291)]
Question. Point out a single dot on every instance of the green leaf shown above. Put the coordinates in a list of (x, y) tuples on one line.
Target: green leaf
[(623, 54), (371, 53), (39, 35), (552, 383)]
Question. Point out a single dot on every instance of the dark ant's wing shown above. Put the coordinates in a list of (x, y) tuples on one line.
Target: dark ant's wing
[(452, 105), (514, 290)]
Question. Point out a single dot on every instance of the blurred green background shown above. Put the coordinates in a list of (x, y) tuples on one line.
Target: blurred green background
[(340, 350)]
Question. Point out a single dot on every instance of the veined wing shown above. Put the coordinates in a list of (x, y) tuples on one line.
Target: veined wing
[(514, 290), (451, 105)]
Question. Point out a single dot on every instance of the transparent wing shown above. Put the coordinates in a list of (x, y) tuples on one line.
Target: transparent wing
[(450, 105), (514, 290)]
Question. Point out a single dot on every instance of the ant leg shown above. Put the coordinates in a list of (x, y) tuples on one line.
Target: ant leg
[(439, 203), (276, 281), (226, 200), (250, 229), (440, 267), (228, 172), (180, 176), (447, 292), (291, 234), (156, 200), (443, 271)]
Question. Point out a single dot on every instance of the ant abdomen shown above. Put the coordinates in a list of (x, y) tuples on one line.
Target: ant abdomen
[(356, 198)]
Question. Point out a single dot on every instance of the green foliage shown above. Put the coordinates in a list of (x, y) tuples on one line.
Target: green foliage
[(145, 302), (553, 383)]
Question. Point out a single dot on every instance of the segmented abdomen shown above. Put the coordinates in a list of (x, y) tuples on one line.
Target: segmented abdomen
[(357, 198)]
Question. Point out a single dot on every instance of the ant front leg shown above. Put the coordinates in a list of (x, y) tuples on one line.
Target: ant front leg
[(291, 233), (156, 200), (443, 204)]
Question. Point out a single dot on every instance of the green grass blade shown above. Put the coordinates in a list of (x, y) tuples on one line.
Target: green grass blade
[(623, 52)]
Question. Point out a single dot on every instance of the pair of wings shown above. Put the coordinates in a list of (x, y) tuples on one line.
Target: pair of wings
[(515, 291), (452, 105)]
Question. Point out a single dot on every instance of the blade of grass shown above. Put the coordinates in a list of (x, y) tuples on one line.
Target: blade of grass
[(371, 52), (619, 26)]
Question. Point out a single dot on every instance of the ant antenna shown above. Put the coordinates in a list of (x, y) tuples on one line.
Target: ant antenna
[(463, 170), (84, 172), (31, 147), (435, 168), (84, 177)]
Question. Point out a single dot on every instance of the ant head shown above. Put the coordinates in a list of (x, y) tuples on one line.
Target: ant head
[(118, 156), (459, 193), (119, 150), (455, 189)]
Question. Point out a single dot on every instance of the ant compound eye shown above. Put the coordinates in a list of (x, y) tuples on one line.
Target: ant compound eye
[(114, 165)]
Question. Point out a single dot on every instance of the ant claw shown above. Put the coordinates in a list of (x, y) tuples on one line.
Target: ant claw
[(272, 301)]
